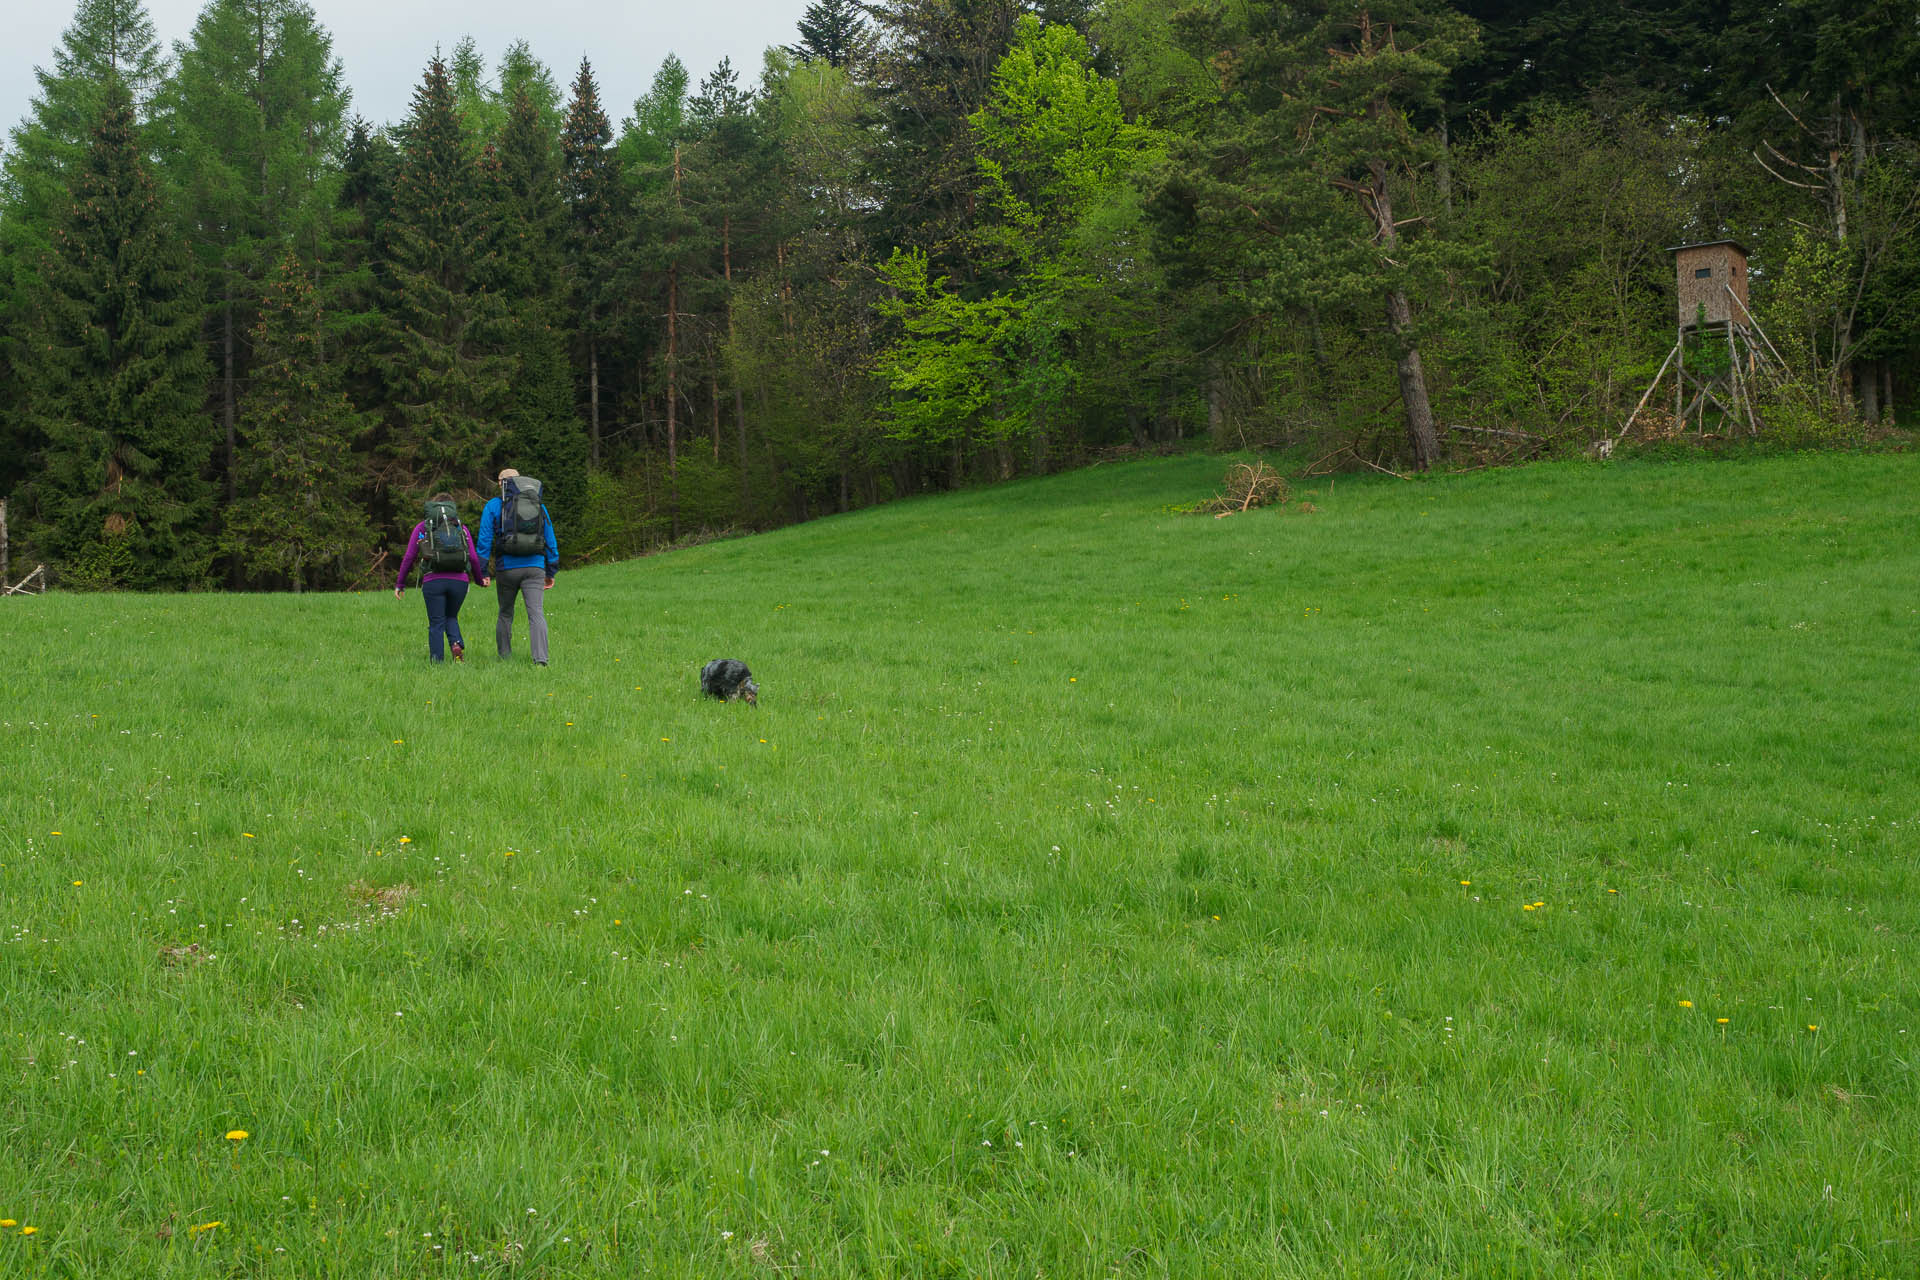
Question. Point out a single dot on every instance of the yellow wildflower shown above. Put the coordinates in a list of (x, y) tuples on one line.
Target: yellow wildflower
[(8, 1222), (27, 1231), (204, 1226), (1686, 1004), (237, 1135)]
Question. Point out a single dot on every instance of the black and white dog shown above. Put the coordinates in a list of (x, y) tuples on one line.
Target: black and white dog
[(728, 679)]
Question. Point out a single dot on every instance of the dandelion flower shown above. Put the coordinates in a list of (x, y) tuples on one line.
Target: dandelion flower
[(27, 1231), (1686, 1004), (78, 883), (1722, 1021), (8, 1222), (1813, 1026), (1466, 882), (237, 1135), (247, 835), (203, 1226), (406, 839)]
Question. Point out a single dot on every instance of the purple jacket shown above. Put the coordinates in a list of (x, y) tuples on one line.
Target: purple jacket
[(417, 539)]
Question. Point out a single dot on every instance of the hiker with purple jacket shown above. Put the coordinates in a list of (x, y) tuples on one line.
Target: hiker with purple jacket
[(444, 548)]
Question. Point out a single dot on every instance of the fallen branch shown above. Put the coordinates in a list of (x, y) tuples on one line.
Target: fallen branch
[(20, 588), (371, 570)]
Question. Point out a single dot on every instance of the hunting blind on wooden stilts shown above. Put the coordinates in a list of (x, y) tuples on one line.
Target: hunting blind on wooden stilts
[(1716, 359)]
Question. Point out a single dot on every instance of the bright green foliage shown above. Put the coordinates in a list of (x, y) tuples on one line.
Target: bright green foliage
[(113, 386), (1056, 157), (446, 364), (296, 518), (658, 122), (944, 367)]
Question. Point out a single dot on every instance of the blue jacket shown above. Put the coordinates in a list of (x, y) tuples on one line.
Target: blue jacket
[(490, 529)]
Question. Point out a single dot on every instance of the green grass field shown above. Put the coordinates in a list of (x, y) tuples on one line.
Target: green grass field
[(1500, 875)]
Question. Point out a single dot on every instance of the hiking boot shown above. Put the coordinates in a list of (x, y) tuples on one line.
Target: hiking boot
[(459, 652)]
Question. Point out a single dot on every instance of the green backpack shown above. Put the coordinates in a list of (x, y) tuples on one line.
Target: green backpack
[(443, 546), (522, 522)]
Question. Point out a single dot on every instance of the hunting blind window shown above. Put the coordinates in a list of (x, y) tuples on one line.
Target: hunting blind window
[(1704, 273)]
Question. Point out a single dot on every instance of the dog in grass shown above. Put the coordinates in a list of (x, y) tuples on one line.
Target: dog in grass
[(729, 680)]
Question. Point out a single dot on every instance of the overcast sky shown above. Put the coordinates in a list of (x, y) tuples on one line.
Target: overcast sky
[(384, 45)]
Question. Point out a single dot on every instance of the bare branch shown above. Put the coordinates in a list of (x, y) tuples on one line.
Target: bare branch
[(1805, 186), (1796, 119)]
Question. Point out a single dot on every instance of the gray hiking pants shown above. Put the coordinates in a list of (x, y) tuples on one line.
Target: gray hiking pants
[(512, 584)]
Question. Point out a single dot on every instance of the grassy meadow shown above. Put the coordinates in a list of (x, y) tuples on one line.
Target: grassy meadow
[(1500, 875)]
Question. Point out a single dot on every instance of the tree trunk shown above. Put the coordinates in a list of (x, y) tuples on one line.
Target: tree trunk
[(593, 401), (1413, 380), (1868, 373), (673, 392), (226, 384), (713, 405), (739, 396), (1413, 388)]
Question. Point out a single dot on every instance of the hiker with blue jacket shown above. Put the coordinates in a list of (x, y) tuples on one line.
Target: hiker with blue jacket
[(444, 548), (516, 528)]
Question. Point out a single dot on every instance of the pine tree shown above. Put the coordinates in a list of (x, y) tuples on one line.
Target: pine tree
[(544, 435), (354, 284), (831, 31), (114, 370), (296, 517), (590, 189), (444, 363)]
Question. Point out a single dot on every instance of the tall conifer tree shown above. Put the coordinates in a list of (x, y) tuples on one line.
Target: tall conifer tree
[(114, 371), (295, 518), (542, 430), (590, 192), (252, 121), (445, 364)]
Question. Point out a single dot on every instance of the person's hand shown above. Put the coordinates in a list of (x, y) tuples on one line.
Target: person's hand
[(485, 581), (549, 584), (396, 593)]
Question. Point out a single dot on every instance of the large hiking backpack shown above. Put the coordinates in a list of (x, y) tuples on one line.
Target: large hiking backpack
[(443, 545), (521, 519)]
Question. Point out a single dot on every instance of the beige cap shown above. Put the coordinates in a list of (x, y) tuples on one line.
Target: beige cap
[(508, 474)]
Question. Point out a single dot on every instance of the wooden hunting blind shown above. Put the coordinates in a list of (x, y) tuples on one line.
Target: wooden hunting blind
[(1712, 276), (1715, 355)]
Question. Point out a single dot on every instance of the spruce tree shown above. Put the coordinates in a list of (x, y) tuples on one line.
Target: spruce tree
[(295, 517), (445, 360), (113, 371), (108, 40), (590, 192), (546, 438), (353, 279), (831, 31)]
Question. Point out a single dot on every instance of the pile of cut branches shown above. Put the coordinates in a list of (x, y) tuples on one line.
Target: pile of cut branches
[(1248, 485)]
